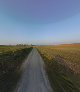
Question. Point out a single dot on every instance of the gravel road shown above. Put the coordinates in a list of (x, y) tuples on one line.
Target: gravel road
[(34, 78)]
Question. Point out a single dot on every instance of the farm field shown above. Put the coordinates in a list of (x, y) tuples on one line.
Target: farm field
[(62, 63), (11, 58)]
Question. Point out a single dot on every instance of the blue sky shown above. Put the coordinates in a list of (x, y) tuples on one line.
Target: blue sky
[(39, 21)]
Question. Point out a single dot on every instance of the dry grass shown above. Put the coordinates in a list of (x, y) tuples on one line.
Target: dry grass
[(63, 66), (70, 54)]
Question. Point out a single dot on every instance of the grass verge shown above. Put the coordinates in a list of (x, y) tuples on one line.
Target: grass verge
[(61, 80), (10, 63)]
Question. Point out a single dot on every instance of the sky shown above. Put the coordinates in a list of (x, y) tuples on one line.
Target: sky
[(39, 21)]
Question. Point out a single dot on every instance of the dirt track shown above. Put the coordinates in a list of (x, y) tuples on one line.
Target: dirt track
[(34, 78)]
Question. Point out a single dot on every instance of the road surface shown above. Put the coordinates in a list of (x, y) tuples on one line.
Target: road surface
[(34, 78)]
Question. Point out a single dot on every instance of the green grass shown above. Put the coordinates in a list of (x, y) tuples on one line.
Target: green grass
[(11, 48), (11, 60)]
